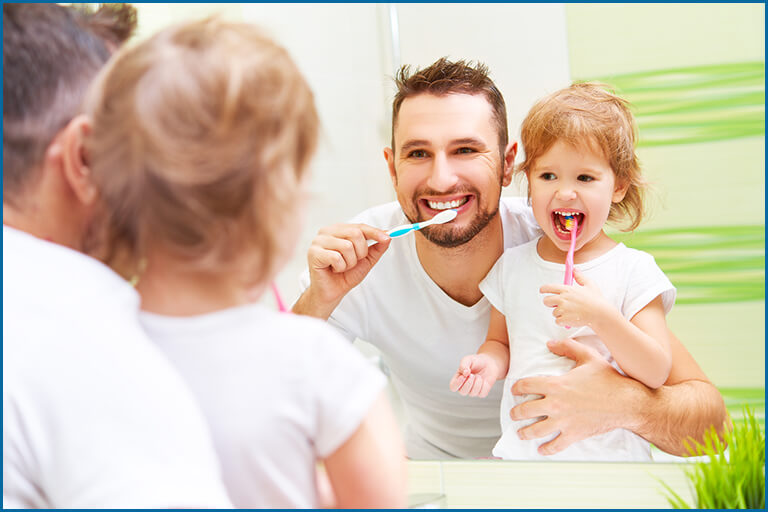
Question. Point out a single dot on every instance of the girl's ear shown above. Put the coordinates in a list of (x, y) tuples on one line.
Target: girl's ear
[(620, 190)]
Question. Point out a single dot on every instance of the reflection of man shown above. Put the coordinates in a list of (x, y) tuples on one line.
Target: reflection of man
[(417, 299), (93, 416)]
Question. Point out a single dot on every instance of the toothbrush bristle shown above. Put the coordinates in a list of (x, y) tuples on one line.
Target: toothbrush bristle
[(569, 223), (445, 216)]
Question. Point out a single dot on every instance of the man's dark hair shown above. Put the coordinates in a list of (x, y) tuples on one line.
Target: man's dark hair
[(50, 55), (445, 77)]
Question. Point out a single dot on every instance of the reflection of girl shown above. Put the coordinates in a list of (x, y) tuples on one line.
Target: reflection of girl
[(201, 139), (580, 162)]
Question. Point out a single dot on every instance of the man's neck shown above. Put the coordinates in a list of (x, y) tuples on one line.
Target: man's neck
[(36, 222), (459, 270)]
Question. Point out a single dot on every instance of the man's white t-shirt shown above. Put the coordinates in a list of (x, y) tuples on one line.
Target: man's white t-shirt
[(93, 414), (422, 334), (280, 391), (627, 278)]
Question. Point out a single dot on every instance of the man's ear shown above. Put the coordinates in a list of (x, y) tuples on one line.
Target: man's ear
[(389, 156), (620, 190), (509, 163), (74, 160)]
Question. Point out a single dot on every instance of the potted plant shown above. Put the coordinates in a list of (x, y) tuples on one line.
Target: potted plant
[(727, 478)]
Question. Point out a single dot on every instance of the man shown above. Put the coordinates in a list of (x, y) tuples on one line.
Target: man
[(417, 299), (93, 415)]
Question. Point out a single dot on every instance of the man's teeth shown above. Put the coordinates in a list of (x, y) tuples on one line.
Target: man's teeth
[(436, 205)]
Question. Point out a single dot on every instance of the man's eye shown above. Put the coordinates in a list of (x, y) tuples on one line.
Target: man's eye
[(585, 177), (417, 153), (465, 150)]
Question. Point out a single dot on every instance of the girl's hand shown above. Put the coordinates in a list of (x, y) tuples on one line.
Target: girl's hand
[(576, 305), (476, 375)]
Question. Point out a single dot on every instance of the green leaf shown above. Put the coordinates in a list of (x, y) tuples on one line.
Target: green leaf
[(735, 479)]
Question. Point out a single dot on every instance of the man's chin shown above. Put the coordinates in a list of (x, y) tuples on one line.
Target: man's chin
[(449, 240), (448, 237)]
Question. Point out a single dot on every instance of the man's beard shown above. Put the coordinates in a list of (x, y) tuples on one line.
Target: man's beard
[(447, 235)]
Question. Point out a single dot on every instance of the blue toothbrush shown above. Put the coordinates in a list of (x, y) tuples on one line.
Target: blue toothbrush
[(440, 218)]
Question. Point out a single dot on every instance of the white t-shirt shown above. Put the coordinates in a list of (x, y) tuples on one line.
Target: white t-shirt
[(279, 391), (629, 279), (93, 414), (422, 334)]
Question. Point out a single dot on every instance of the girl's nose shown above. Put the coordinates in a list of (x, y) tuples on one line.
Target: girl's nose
[(566, 193)]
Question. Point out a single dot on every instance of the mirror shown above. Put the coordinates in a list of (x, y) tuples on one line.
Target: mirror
[(695, 74)]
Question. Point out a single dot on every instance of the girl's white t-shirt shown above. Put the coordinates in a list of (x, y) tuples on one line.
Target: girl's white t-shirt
[(279, 391), (627, 278)]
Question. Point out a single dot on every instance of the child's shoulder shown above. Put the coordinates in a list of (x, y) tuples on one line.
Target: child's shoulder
[(304, 329), (518, 257), (630, 254), (523, 250)]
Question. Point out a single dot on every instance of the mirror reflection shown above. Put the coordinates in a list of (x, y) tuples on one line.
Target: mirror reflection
[(399, 145)]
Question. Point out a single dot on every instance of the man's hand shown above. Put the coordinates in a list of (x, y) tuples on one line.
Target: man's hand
[(593, 398), (579, 404), (339, 259), (476, 375)]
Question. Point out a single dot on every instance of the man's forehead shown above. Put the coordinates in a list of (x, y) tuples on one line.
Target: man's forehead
[(456, 115), (445, 104)]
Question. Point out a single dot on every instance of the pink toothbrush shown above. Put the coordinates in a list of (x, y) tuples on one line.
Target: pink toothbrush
[(280, 304), (572, 224)]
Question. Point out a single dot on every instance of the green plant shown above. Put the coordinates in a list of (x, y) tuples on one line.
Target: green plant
[(732, 479)]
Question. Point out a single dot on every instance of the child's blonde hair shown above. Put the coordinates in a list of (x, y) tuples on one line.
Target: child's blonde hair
[(587, 115), (201, 136)]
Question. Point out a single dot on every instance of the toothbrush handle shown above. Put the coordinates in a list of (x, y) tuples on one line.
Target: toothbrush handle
[(569, 269), (569, 259), (399, 231), (402, 230)]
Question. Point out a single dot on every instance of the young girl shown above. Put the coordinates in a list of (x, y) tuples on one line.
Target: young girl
[(200, 143), (580, 162)]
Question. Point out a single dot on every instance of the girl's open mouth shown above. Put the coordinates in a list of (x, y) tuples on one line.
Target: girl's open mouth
[(559, 218)]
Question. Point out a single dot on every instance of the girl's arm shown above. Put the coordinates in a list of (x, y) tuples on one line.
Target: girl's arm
[(478, 372), (640, 346), (369, 469)]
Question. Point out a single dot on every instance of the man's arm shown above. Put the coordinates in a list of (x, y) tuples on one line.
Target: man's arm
[(687, 405), (311, 303), (594, 398)]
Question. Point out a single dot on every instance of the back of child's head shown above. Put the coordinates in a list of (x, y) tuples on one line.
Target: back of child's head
[(201, 137), (587, 116)]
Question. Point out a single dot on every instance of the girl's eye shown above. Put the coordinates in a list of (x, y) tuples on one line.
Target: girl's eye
[(417, 153), (547, 176), (585, 178)]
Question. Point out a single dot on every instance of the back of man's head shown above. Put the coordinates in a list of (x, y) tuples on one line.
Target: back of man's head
[(50, 55)]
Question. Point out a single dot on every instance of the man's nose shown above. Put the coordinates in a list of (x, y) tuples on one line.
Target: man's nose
[(442, 175)]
